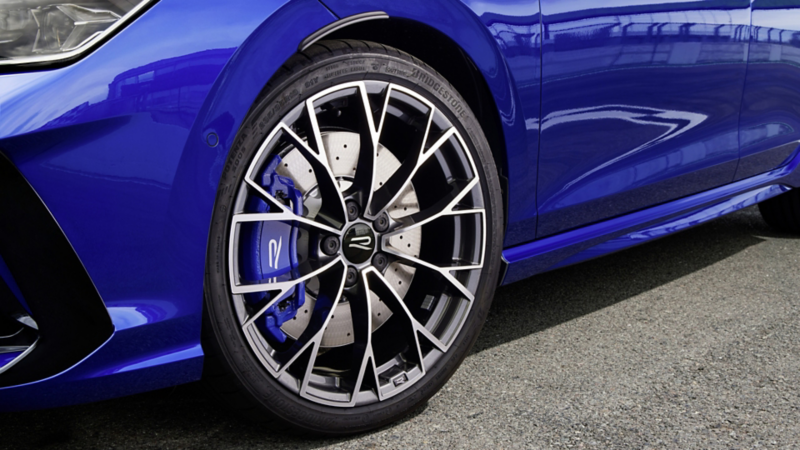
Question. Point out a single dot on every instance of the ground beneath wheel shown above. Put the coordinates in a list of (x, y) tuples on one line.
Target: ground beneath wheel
[(693, 341)]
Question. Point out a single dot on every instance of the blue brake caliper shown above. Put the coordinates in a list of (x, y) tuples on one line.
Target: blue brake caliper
[(267, 257)]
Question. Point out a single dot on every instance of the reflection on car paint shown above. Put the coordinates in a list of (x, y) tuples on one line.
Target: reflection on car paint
[(674, 225), (675, 122), (769, 116), (667, 56), (588, 242)]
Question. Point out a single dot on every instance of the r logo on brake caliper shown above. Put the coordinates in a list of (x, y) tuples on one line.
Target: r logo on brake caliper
[(274, 254)]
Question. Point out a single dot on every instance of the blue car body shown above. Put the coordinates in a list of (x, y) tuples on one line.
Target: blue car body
[(617, 122)]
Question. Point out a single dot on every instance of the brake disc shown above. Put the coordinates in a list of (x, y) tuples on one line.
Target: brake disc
[(343, 152)]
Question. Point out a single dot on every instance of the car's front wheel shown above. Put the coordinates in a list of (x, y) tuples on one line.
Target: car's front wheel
[(355, 243)]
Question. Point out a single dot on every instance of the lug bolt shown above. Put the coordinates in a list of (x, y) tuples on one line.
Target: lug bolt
[(330, 245), (352, 277), (381, 224), (352, 210), (380, 261)]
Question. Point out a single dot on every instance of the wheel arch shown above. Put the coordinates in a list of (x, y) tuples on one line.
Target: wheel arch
[(475, 66), (452, 40), (448, 58)]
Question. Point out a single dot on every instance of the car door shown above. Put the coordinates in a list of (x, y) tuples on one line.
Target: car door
[(640, 104), (770, 125)]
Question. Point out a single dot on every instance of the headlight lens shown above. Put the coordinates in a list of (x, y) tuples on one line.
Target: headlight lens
[(48, 30)]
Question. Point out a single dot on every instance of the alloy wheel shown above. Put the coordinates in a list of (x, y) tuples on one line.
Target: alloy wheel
[(356, 243)]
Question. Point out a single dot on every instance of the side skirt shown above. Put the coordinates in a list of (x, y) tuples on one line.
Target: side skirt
[(636, 228)]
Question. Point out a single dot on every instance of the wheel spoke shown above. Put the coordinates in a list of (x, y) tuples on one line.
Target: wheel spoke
[(444, 207), (333, 209), (389, 295), (324, 308), (284, 216), (443, 271), (312, 336), (361, 310), (397, 183), (282, 287), (364, 179)]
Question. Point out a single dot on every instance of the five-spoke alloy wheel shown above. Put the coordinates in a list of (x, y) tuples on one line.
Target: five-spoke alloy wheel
[(355, 243)]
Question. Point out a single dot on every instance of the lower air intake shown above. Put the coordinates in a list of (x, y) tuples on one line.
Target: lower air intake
[(51, 316)]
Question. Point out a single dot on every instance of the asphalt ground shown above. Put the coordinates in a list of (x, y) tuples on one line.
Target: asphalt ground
[(688, 342)]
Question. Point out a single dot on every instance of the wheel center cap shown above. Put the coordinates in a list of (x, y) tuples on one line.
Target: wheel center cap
[(359, 243)]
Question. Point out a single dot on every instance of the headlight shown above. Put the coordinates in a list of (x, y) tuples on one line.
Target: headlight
[(47, 30)]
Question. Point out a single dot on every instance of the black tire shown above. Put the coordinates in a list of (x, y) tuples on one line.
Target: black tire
[(233, 369), (783, 212)]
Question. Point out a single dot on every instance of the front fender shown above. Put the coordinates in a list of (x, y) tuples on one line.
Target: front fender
[(467, 29), (116, 146)]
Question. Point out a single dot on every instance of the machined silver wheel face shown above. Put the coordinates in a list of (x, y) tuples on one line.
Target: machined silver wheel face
[(357, 243)]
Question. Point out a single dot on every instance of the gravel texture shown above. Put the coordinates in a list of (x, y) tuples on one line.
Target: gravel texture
[(688, 342)]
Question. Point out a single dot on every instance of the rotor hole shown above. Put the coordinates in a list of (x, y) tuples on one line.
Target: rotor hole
[(345, 145), (399, 282), (306, 311), (285, 165), (401, 237), (405, 209), (409, 245), (310, 170), (379, 314), (337, 158), (348, 334)]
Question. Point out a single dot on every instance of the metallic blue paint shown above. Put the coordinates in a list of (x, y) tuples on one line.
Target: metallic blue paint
[(121, 160), (643, 106), (501, 38), (640, 104), (641, 226), (673, 225), (771, 102), (6, 358)]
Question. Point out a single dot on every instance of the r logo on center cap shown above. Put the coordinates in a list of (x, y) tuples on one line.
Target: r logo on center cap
[(359, 243), (362, 242)]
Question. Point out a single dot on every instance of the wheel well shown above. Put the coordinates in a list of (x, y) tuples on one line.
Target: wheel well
[(446, 57)]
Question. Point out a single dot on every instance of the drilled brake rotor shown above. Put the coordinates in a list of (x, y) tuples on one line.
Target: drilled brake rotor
[(343, 150)]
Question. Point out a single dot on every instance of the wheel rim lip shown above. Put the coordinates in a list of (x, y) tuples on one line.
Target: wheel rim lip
[(380, 238)]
